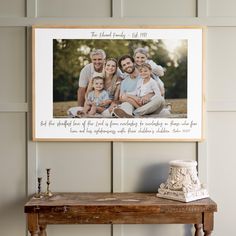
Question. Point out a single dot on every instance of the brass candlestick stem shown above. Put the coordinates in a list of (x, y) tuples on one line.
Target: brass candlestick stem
[(39, 193), (48, 192)]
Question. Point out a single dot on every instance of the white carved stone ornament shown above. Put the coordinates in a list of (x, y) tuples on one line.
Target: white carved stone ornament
[(182, 183)]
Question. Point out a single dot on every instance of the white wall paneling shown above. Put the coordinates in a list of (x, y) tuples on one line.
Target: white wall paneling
[(12, 8), (13, 107), (221, 73), (221, 171), (12, 65), (74, 8), (75, 230), (108, 21), (76, 166), (219, 8), (159, 8), (12, 173), (202, 162), (142, 167)]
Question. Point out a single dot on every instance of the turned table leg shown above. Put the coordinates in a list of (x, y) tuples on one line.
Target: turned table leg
[(34, 233), (33, 224), (207, 223), (42, 229), (207, 233), (198, 229)]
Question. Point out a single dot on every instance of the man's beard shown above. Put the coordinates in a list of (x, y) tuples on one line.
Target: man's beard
[(130, 72)]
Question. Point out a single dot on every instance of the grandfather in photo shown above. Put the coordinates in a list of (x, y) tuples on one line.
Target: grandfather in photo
[(98, 58)]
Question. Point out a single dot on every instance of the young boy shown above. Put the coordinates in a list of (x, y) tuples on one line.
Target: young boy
[(146, 89), (140, 57)]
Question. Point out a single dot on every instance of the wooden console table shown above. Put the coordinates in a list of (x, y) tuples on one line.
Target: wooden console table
[(117, 208)]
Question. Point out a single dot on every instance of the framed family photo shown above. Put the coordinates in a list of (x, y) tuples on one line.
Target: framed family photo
[(118, 83)]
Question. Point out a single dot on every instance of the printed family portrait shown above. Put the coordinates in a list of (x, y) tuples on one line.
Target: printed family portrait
[(137, 78), (118, 83)]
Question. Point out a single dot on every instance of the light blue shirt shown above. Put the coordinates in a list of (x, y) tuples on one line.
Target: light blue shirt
[(102, 97), (128, 84)]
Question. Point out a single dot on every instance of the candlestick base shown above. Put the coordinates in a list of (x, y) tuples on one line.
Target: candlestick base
[(48, 194), (38, 195)]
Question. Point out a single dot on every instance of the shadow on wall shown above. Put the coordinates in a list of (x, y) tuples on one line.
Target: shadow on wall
[(150, 179), (152, 176)]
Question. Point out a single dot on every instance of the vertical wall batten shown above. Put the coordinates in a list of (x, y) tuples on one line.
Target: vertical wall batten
[(117, 8), (31, 146), (201, 10), (31, 8)]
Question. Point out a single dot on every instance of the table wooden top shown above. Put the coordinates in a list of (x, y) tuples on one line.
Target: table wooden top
[(98, 202)]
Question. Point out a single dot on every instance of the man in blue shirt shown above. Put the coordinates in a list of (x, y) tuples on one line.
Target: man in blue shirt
[(129, 84)]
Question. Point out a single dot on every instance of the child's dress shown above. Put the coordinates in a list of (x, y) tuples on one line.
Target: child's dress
[(98, 100)]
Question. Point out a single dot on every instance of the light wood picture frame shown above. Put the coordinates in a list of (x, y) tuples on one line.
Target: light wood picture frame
[(60, 53)]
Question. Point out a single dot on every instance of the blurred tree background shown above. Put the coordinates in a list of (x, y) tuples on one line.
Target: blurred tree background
[(70, 56)]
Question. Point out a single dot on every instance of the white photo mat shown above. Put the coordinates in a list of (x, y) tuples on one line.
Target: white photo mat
[(46, 127)]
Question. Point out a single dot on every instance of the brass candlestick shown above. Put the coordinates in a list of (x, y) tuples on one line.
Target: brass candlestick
[(39, 193), (48, 192)]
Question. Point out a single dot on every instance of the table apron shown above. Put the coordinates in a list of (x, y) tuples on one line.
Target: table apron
[(120, 218)]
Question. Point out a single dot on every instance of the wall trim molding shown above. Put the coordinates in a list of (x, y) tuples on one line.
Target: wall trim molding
[(14, 107), (117, 20), (221, 106)]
